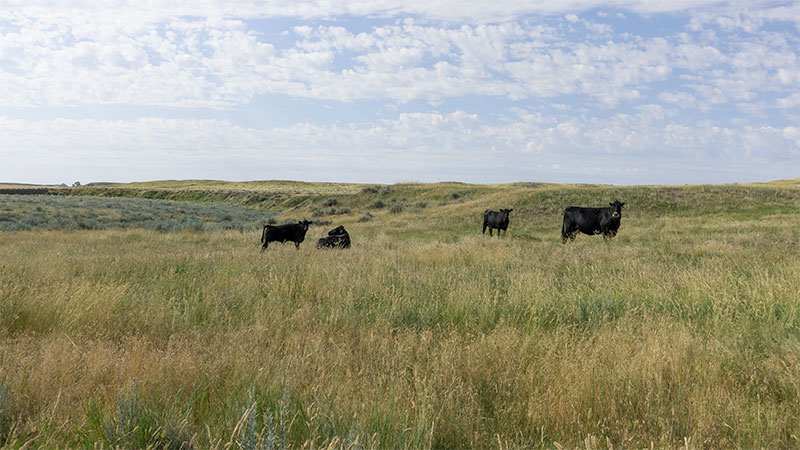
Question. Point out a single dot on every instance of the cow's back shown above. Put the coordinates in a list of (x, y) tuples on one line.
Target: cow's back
[(583, 214), (334, 241), (495, 218), (273, 233)]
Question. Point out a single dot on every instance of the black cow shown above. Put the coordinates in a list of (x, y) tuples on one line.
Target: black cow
[(496, 219), (295, 232), (591, 221), (336, 238)]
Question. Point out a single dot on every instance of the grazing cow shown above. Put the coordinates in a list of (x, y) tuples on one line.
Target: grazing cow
[(295, 232), (336, 238), (496, 219), (591, 221)]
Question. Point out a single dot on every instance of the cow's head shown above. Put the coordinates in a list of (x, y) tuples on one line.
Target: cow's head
[(338, 230), (505, 212), (304, 224), (616, 209)]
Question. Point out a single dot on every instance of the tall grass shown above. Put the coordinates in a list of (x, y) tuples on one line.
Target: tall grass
[(682, 331)]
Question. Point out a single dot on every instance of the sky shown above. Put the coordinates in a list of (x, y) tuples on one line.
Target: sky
[(616, 92)]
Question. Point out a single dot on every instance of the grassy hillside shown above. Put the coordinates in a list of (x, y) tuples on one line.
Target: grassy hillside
[(259, 194), (49, 212), (680, 332)]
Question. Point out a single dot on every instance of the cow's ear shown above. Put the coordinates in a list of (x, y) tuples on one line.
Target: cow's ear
[(622, 204), (610, 204)]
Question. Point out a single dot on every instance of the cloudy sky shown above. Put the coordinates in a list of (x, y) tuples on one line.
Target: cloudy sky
[(485, 91)]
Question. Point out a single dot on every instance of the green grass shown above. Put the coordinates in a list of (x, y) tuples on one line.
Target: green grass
[(682, 332)]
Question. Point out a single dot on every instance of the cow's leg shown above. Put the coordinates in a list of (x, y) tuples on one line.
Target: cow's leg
[(568, 233), (264, 247), (297, 245)]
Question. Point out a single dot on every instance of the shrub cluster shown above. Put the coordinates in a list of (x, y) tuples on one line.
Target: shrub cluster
[(376, 204), (41, 212), (397, 207), (418, 207), (370, 189), (331, 211)]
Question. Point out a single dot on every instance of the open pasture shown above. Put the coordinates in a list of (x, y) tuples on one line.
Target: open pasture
[(683, 331)]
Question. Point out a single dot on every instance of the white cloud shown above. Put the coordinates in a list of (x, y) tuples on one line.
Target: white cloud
[(159, 58), (790, 102), (793, 133), (681, 99), (573, 87), (459, 142), (120, 11)]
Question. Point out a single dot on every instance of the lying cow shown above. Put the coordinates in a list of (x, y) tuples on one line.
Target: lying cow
[(336, 238), (496, 219), (591, 221), (295, 232)]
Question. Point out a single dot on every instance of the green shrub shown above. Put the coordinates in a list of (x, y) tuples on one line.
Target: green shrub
[(40, 212), (397, 208), (5, 414), (136, 425), (370, 189)]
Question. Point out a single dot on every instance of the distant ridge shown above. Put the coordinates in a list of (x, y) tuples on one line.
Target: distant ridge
[(32, 184)]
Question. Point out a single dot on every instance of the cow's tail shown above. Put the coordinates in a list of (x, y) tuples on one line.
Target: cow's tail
[(264, 234), (485, 222), (564, 228)]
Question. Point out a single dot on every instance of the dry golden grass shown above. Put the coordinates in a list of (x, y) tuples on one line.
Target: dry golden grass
[(681, 332)]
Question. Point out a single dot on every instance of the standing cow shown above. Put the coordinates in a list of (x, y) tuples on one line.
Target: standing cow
[(295, 232), (591, 221), (496, 219)]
